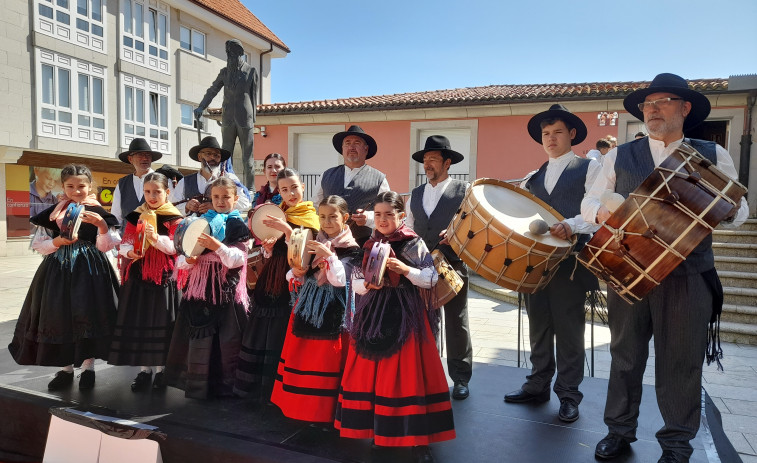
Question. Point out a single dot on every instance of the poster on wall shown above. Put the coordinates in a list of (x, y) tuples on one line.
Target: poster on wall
[(30, 190)]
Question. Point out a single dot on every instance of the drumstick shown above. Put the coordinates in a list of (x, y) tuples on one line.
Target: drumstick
[(538, 227)]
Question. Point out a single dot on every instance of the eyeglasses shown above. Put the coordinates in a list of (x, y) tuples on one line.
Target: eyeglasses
[(661, 103)]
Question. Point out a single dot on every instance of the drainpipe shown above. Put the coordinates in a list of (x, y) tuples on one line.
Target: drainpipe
[(260, 91), (746, 140)]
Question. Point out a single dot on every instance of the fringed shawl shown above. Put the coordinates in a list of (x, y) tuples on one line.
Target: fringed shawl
[(154, 266)]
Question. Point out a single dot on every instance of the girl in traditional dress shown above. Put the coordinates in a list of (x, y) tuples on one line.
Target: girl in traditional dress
[(149, 297), (269, 191), (270, 300), (68, 314), (310, 370), (204, 351), (394, 389)]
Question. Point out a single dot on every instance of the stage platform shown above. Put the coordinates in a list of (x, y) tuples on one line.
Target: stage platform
[(236, 430)]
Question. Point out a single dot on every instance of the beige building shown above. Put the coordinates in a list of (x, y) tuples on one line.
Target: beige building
[(79, 79)]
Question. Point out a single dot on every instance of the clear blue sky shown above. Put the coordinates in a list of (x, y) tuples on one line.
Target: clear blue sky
[(352, 48)]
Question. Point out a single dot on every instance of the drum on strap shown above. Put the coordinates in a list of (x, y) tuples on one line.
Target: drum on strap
[(261, 231), (254, 266), (490, 233), (297, 251), (660, 223), (449, 282), (187, 233), (69, 228), (376, 264)]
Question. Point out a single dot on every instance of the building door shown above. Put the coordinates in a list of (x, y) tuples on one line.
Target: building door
[(314, 154), (716, 131)]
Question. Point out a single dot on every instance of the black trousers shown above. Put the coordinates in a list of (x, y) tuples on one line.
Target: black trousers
[(556, 317), (457, 332), (676, 313)]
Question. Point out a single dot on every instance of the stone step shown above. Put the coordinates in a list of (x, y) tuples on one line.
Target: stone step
[(740, 296), (735, 236), (738, 279), (744, 314), (750, 224), (738, 333), (735, 249), (736, 264)]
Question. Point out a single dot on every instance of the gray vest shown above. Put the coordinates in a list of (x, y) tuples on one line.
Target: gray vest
[(190, 186), (361, 191), (429, 228), (129, 199), (634, 164)]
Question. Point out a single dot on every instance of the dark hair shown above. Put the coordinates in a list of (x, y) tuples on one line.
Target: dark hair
[(157, 177), (288, 172), (555, 120), (222, 182), (275, 156), (603, 143), (71, 170), (337, 201), (392, 198)]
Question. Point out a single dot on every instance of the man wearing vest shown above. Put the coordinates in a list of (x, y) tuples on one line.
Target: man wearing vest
[(210, 154), (556, 312), (128, 194), (432, 206), (355, 181), (676, 312)]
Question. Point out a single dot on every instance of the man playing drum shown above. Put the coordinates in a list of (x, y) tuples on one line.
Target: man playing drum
[(556, 312), (432, 206), (678, 310), (355, 181)]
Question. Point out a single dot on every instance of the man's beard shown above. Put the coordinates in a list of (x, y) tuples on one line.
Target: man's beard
[(214, 171)]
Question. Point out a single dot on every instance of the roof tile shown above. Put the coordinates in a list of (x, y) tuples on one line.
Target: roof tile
[(234, 11)]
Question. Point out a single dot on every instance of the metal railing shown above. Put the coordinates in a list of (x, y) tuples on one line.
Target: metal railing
[(420, 179), (311, 182)]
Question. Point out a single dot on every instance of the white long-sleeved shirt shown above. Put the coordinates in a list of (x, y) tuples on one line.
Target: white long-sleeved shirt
[(43, 243), (177, 194), (115, 205), (606, 179), (349, 174), (164, 245), (231, 256), (431, 196), (335, 273), (422, 278), (555, 168)]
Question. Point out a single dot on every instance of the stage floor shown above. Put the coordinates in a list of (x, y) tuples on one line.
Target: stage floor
[(236, 430)]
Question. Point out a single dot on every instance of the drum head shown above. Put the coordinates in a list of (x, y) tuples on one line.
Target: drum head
[(193, 231), (72, 221), (517, 208), (258, 228)]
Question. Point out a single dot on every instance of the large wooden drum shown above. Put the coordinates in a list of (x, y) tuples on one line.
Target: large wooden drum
[(660, 223), (490, 233)]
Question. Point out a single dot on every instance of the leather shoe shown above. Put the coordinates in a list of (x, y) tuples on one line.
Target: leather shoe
[(141, 382), (668, 456), (520, 396), (159, 381), (86, 380), (568, 410), (62, 379), (460, 390), (422, 454), (612, 446)]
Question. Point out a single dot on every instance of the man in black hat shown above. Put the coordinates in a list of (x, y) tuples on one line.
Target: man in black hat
[(128, 194), (240, 83), (355, 181), (432, 206), (678, 310), (556, 312), (210, 154)]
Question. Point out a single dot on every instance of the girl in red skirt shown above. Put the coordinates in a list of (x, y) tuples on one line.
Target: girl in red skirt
[(394, 389), (310, 369)]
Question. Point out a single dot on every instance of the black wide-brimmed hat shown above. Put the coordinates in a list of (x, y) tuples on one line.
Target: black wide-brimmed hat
[(208, 142), (170, 172), (561, 112), (139, 145), (677, 85), (358, 132), (438, 143)]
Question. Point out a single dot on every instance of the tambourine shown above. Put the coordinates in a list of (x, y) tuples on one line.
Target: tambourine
[(261, 231), (142, 243), (376, 264), (297, 253), (187, 234), (449, 282), (69, 228)]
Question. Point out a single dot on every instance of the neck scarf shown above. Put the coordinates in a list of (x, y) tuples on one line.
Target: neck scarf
[(60, 209), (217, 221), (265, 194), (342, 240), (149, 215), (303, 214)]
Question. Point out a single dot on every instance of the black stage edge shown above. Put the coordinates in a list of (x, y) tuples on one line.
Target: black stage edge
[(238, 431)]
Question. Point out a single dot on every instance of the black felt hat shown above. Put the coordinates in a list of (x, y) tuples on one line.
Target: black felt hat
[(438, 143), (677, 85), (358, 132), (170, 172), (561, 112), (139, 145), (208, 142)]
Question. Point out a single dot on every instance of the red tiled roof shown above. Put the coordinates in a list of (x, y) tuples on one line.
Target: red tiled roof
[(234, 11), (492, 94)]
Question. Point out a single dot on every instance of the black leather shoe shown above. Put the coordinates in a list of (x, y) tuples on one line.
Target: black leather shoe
[(612, 446), (159, 382), (568, 410), (668, 456), (86, 380), (520, 396), (141, 382), (62, 380), (460, 390), (422, 454)]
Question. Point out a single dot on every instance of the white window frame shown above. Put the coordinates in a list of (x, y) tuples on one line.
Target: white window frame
[(141, 89), (71, 130), (191, 48), (129, 35), (192, 107), (70, 32)]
